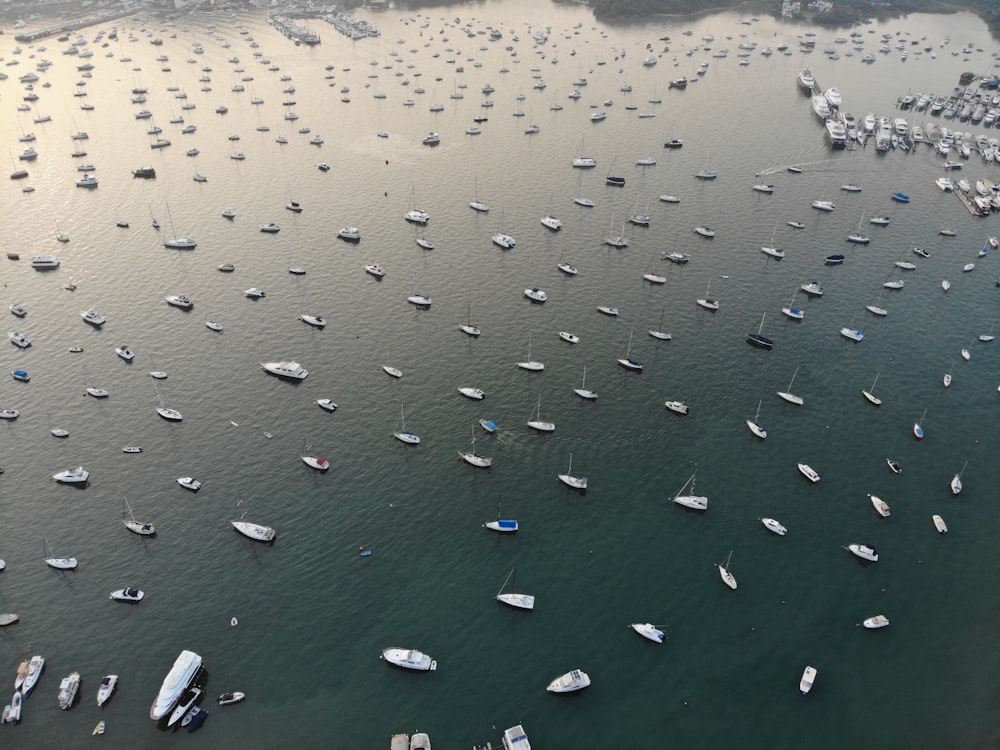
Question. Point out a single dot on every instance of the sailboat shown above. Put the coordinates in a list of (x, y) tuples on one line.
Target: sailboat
[(988, 336), (788, 395), (467, 327), (707, 302), (956, 482), (502, 240), (870, 393), (727, 577), (476, 205), (754, 424), (583, 162), (171, 415), (142, 529), (404, 435), (513, 599), (611, 180), (639, 219), (692, 501), (57, 431), (549, 221), (918, 430), (770, 249), (471, 457), (627, 362), (876, 309), (706, 173), (501, 525), (152, 219), (59, 563), (792, 311), (852, 333), (583, 391), (613, 241), (579, 199), (530, 364), (660, 333), (175, 242), (758, 339), (319, 463), (91, 390), (537, 423), (416, 215), (577, 483), (857, 236), (947, 376), (389, 370)]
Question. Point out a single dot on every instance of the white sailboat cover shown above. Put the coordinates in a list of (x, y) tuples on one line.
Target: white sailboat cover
[(178, 679)]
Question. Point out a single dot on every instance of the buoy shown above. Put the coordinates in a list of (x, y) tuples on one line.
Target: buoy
[(234, 622)]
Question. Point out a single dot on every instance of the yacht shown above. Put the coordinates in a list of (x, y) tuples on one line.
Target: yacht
[(474, 393), (291, 370), (182, 674), (32, 671), (570, 682), (316, 462), (326, 404), (406, 658), (107, 687), (125, 353), (648, 631), (584, 162), (431, 139), (678, 407), (503, 240), (417, 216), (419, 300), (68, 688), (79, 475), (375, 269), (864, 551), (254, 531), (881, 506), (806, 79)]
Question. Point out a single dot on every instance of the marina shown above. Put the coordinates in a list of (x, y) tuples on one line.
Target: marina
[(391, 540)]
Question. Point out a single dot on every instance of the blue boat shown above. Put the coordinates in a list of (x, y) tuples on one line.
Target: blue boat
[(901, 197), (21, 375), (198, 716)]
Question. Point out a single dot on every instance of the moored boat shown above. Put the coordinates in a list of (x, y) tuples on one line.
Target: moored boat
[(773, 526), (227, 699), (648, 631), (408, 658), (864, 551), (107, 687), (809, 473), (876, 622), (570, 682), (255, 531), (68, 688), (881, 506), (939, 524), (807, 680)]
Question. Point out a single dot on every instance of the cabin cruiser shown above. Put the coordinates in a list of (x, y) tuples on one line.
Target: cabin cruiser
[(375, 269), (406, 658), (809, 473), (570, 682), (806, 79), (864, 551), (19, 339), (285, 369), (420, 300), (125, 353), (774, 526), (68, 688), (128, 594), (185, 670), (107, 687), (536, 295), (648, 631), (824, 205), (352, 234), (79, 475)]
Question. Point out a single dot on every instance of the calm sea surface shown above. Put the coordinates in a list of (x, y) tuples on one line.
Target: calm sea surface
[(313, 614)]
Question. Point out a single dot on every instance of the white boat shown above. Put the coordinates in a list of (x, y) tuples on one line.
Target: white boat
[(106, 688), (408, 658), (577, 483), (416, 216), (813, 289), (567, 269), (570, 682), (966, 354), (537, 423), (648, 631), (569, 338), (946, 284), (514, 599), (319, 463), (375, 269), (285, 369), (790, 397), (143, 529), (228, 699), (128, 594), (530, 364), (824, 205), (918, 429), (704, 231), (876, 622), (254, 293), (956, 481), (583, 391), (611, 312), (754, 426), (404, 435), (254, 531), (692, 501), (551, 222), (392, 372), (707, 302), (68, 688), (189, 483), (473, 458), (763, 188), (316, 321), (727, 577), (19, 339), (807, 680), (326, 404), (678, 407), (125, 353), (939, 524), (536, 295), (809, 473), (17, 310), (270, 228), (947, 377), (419, 300), (473, 393), (179, 300), (881, 506), (93, 317), (351, 234), (32, 672), (183, 672), (894, 284), (79, 475), (870, 393), (864, 551), (44, 262), (773, 526)]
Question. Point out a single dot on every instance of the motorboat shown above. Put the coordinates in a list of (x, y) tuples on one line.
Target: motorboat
[(375, 269), (419, 300), (189, 483), (107, 687), (824, 205), (187, 706), (807, 680), (226, 267), (894, 466), (17, 309), (880, 221), (567, 269), (255, 531), (129, 594), (895, 284), (285, 369), (809, 473), (270, 228), (228, 699), (87, 181), (851, 187), (676, 257), (813, 289), (648, 631), (763, 188), (326, 404), (881, 506), (905, 265), (33, 671), (796, 224), (351, 234), (408, 658), (570, 682), (569, 338), (254, 293), (125, 353), (864, 551), (939, 524), (678, 407), (536, 295), (68, 688), (19, 339), (551, 222), (93, 317), (876, 622), (417, 216), (852, 333), (9, 414), (473, 393), (180, 300), (431, 139), (79, 475), (608, 310), (774, 526), (584, 162), (44, 262), (503, 240), (515, 738)]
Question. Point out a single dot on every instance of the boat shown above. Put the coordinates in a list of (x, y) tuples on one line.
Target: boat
[(404, 435), (627, 362), (754, 425), (420, 300), (946, 284), (763, 188), (881, 506), (807, 680), (900, 197), (968, 267), (570, 682), (808, 472), (255, 531), (17, 309), (660, 333), (870, 393), (790, 397), (569, 338), (289, 370), (530, 364), (857, 236), (316, 321), (648, 631), (864, 551), (513, 599), (918, 430), (947, 377), (575, 482), (706, 173), (93, 317), (142, 529), (319, 463), (12, 713), (894, 284), (501, 525), (179, 300), (876, 622), (326, 404), (939, 524), (567, 269), (270, 228), (773, 526), (537, 423), (79, 475), (473, 458), (692, 501), (727, 577), (43, 262), (33, 671), (129, 594), (21, 375), (473, 393), (758, 339), (813, 289), (399, 742), (9, 414), (254, 293), (674, 143), (956, 481), (770, 249), (551, 222), (189, 483), (125, 352), (851, 333), (678, 407), (796, 224), (704, 231), (791, 311), (987, 337), (186, 704), (822, 205), (608, 310), (228, 699), (68, 688), (894, 466), (408, 658), (375, 269), (707, 302), (583, 391), (536, 295), (881, 221)]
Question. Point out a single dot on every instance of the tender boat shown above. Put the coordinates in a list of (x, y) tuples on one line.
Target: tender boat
[(773, 526), (881, 506), (67, 690), (894, 466), (570, 682), (186, 705), (809, 473), (189, 483), (488, 424), (106, 688), (79, 475), (227, 699), (878, 621), (407, 658), (127, 595), (285, 369), (676, 406), (807, 680), (864, 551), (316, 462), (648, 631), (21, 375), (939, 524), (254, 531)]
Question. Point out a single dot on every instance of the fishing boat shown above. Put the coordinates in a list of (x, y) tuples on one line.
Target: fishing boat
[(808, 472), (514, 599), (570, 682), (956, 481), (918, 430), (106, 688), (881, 506), (791, 310), (939, 524), (894, 466), (773, 526), (575, 482), (864, 551), (404, 435), (790, 397), (692, 501), (408, 658), (754, 425), (876, 622), (627, 362), (326, 404), (807, 680), (584, 392), (727, 577), (870, 393), (648, 631), (530, 364), (758, 339), (142, 529), (473, 458)]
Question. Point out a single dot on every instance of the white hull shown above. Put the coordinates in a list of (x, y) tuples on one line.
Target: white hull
[(254, 531), (807, 680), (409, 659), (648, 631)]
